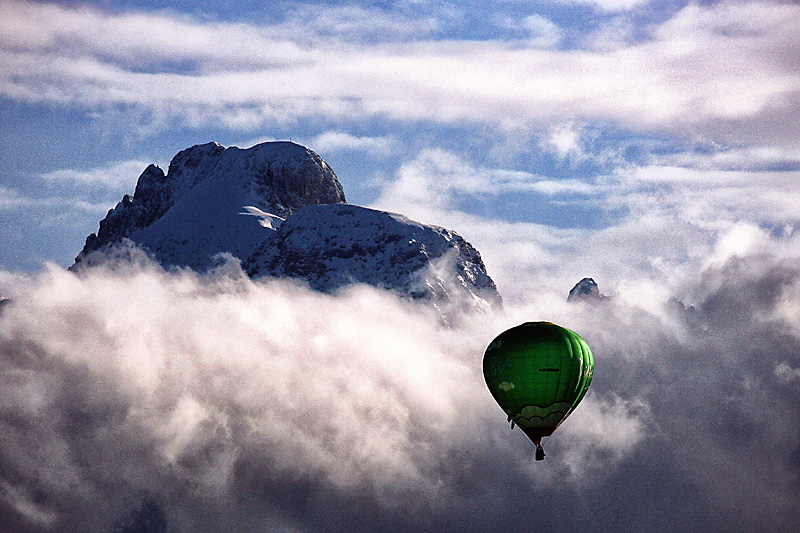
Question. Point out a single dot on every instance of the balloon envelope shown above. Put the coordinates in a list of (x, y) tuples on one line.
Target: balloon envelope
[(538, 372)]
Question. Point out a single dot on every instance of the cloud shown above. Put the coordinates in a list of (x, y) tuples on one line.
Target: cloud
[(543, 32), (561, 187), (138, 39), (117, 175), (726, 70), (152, 397), (437, 179), (144, 395), (12, 199), (754, 158), (786, 374), (565, 138), (335, 141), (222, 403), (642, 223), (708, 195), (367, 24), (540, 32), (610, 5)]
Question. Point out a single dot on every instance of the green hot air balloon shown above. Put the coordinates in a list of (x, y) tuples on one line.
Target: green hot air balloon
[(538, 372)]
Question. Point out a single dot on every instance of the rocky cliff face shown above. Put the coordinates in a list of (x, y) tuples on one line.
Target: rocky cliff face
[(280, 209)]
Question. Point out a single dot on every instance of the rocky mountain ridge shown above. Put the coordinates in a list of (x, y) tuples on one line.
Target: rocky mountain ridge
[(194, 211), (334, 245), (280, 209)]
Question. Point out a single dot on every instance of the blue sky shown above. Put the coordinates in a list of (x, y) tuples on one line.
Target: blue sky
[(654, 146)]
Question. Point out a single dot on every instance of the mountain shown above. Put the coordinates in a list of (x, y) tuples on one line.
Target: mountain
[(197, 209), (330, 246), (279, 208), (586, 290)]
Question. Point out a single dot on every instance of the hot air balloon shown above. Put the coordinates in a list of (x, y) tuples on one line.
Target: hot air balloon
[(538, 372)]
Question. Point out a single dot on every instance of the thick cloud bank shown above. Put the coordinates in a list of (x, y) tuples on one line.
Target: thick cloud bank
[(131, 395)]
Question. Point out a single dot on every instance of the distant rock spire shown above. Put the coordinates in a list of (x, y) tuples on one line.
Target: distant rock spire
[(586, 290)]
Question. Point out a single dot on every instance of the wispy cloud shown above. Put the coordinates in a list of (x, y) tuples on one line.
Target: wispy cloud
[(367, 24), (708, 68), (703, 196), (754, 158), (438, 179), (117, 175), (335, 141), (536, 30), (609, 5), (13, 199)]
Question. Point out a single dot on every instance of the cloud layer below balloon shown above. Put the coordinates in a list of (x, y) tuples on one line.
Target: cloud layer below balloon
[(227, 403)]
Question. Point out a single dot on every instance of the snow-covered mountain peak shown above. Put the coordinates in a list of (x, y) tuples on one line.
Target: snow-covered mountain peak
[(279, 208), (329, 246), (192, 212)]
